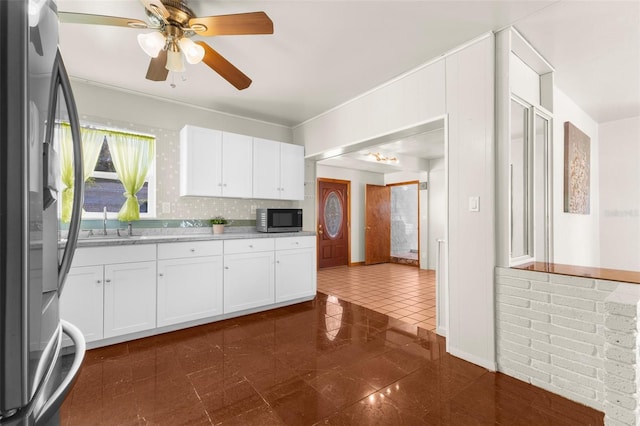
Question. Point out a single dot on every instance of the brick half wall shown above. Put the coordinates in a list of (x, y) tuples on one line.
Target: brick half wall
[(572, 336)]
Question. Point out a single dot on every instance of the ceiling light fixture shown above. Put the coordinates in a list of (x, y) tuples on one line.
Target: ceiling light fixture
[(152, 43), (193, 53), (174, 58), (176, 43), (383, 158)]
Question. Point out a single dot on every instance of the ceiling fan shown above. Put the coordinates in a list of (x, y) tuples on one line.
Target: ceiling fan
[(175, 24)]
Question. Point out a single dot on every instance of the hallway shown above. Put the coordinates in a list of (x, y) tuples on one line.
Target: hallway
[(399, 291)]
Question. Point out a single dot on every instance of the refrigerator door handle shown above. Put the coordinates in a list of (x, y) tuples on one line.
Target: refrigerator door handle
[(78, 169), (57, 397)]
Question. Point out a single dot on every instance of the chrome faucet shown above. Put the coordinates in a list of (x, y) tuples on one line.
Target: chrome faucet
[(104, 221)]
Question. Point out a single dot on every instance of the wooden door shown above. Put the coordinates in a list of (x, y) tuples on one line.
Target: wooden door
[(333, 222), (377, 236)]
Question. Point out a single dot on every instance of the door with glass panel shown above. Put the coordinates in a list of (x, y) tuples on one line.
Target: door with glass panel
[(333, 222)]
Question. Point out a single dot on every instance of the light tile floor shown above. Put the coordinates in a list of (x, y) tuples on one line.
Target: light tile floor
[(403, 292)]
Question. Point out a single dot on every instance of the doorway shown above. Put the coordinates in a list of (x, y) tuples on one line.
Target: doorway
[(419, 154), (333, 222), (405, 223)]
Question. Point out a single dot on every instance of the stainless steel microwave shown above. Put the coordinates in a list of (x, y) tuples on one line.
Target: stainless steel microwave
[(279, 220)]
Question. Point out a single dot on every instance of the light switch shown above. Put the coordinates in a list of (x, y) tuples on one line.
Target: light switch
[(474, 204)]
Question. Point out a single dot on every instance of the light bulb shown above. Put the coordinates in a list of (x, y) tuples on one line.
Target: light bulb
[(174, 61), (151, 43), (192, 52)]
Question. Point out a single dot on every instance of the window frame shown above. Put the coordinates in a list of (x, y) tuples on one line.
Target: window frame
[(150, 180)]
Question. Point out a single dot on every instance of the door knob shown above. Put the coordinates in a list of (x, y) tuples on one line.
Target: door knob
[(320, 231)]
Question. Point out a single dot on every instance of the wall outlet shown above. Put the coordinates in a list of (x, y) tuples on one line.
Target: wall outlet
[(166, 207)]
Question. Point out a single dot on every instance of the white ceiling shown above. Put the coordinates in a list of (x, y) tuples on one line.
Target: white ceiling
[(325, 52)]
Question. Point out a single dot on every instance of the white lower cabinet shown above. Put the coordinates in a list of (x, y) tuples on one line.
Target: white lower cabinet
[(248, 274), (82, 301), (295, 268), (190, 285), (111, 291), (129, 298), (118, 290)]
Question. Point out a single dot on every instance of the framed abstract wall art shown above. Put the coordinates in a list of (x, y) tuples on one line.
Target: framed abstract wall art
[(577, 170)]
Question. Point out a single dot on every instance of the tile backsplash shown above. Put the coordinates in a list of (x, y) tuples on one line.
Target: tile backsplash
[(168, 181)]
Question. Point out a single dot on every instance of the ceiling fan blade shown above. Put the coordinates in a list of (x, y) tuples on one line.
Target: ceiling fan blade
[(223, 67), (157, 70), (84, 18), (157, 8), (236, 24)]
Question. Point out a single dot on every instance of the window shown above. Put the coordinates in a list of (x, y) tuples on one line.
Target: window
[(104, 189)]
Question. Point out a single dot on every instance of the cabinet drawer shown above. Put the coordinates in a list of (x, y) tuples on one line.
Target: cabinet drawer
[(287, 243), (189, 249), (86, 256), (248, 245)]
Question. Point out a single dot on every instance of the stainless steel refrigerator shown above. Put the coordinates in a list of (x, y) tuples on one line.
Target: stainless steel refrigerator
[(35, 94)]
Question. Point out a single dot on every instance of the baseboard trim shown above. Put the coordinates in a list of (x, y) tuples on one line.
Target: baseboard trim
[(356, 263), (485, 363)]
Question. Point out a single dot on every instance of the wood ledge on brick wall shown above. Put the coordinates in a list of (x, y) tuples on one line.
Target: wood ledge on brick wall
[(632, 277)]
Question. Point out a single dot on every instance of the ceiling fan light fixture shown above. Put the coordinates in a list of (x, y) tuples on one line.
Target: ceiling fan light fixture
[(174, 61), (152, 43), (193, 53)]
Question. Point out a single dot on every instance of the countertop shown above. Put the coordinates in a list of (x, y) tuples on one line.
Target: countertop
[(147, 236)]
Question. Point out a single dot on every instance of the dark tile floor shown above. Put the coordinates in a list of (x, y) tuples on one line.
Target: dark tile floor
[(322, 362)]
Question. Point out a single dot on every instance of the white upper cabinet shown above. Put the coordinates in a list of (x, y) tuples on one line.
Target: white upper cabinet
[(278, 170), (215, 163), (200, 162), (237, 165)]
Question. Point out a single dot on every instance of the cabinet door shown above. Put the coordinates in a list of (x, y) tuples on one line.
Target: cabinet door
[(129, 298), (81, 302), (200, 162), (291, 172), (189, 289), (295, 274), (248, 280), (237, 165), (266, 169)]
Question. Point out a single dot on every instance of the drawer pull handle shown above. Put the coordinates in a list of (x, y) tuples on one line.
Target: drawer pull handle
[(226, 267), (192, 250), (161, 274), (250, 245), (107, 280), (98, 281)]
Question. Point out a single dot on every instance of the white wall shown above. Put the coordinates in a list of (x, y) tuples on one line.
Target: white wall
[(411, 100), (123, 110), (359, 180), (144, 110), (619, 208), (576, 237), (471, 235)]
